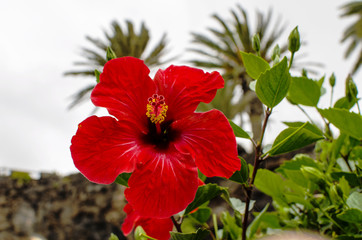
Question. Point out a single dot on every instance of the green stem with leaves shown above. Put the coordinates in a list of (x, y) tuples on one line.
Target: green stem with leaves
[(249, 189)]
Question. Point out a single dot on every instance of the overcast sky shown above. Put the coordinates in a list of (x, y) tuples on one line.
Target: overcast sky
[(41, 39)]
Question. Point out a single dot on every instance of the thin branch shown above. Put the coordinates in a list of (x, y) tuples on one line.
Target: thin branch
[(249, 189), (306, 114), (177, 225)]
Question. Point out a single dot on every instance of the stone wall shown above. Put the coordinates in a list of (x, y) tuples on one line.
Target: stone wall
[(59, 208)]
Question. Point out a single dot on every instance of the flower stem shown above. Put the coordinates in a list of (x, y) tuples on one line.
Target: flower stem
[(215, 225), (306, 114), (359, 110), (177, 225), (291, 60), (331, 100), (249, 189)]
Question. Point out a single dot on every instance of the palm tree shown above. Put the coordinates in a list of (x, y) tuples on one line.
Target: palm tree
[(222, 51), (123, 43), (353, 33)]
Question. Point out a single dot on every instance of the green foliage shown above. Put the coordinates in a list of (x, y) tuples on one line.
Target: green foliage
[(113, 237), (320, 193), (254, 65), (204, 194), (253, 227), (201, 234), (220, 49), (20, 177), (272, 86), (242, 175), (348, 122), (293, 138), (304, 91), (122, 179), (238, 131)]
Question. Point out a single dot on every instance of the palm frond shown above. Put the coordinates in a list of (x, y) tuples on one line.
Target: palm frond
[(124, 42), (353, 32)]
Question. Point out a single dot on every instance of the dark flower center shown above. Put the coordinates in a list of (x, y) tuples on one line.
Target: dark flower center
[(160, 133), (160, 138)]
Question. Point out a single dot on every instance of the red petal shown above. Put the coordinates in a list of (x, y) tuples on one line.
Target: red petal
[(164, 184), (103, 148), (210, 139), (130, 220), (185, 87), (156, 228), (124, 89)]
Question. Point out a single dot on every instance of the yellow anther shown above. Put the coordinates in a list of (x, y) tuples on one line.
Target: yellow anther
[(156, 108)]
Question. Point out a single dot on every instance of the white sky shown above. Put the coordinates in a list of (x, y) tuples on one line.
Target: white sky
[(41, 39)]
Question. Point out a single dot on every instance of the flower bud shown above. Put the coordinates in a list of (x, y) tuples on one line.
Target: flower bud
[(351, 89), (97, 74), (294, 40), (276, 53), (256, 43), (332, 80), (110, 54)]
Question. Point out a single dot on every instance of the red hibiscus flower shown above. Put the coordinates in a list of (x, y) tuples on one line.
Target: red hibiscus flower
[(155, 134), (155, 228)]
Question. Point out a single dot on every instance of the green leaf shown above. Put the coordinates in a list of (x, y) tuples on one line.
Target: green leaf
[(293, 138), (269, 183), (297, 162), (272, 86), (343, 184), (140, 234), (348, 122), (313, 174), (351, 215), (204, 193), (201, 175), (352, 179), (291, 169), (345, 103), (296, 198), (201, 234), (311, 127), (110, 54), (305, 91), (270, 220), (97, 74), (113, 237), (355, 201), (253, 227), (242, 175), (122, 179), (254, 65), (231, 227), (202, 214), (238, 131)]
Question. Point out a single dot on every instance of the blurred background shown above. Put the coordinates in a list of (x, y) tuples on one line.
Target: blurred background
[(48, 53), (41, 40)]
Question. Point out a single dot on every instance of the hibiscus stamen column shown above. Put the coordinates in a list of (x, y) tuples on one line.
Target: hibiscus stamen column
[(156, 110)]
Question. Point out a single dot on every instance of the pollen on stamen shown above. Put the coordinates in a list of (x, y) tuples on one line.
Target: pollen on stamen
[(156, 108)]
